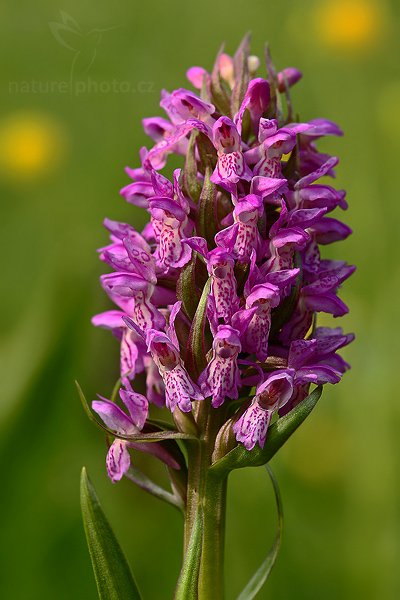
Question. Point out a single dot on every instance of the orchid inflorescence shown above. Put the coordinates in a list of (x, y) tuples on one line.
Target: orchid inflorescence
[(242, 220), (217, 299)]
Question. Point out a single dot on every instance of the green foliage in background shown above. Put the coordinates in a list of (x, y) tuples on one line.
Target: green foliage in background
[(339, 473)]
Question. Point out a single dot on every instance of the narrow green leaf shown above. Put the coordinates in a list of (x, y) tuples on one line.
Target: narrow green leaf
[(115, 391), (205, 92), (207, 152), (261, 575), (153, 436), (187, 586), (220, 96), (275, 105), (196, 352), (148, 485), (111, 570), (278, 434), (242, 77), (186, 289), (190, 173), (207, 218)]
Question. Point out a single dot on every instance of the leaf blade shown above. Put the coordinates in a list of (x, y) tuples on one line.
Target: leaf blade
[(207, 218), (112, 573), (196, 353)]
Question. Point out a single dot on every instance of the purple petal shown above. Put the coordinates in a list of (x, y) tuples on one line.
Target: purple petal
[(330, 230), (157, 127), (288, 77), (266, 186), (118, 460), (110, 319), (171, 325), (294, 235), (252, 427), (196, 75), (321, 127), (113, 416), (198, 244), (137, 405), (328, 303), (166, 145), (162, 186), (256, 100), (323, 170), (318, 374), (138, 193)]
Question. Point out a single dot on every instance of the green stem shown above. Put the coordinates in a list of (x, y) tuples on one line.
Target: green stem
[(206, 496), (211, 578)]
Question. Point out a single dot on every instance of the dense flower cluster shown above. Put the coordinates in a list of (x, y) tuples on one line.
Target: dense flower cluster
[(245, 215)]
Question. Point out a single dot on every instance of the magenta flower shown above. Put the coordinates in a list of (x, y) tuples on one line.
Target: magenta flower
[(231, 165), (272, 394), (179, 388), (221, 378), (118, 457)]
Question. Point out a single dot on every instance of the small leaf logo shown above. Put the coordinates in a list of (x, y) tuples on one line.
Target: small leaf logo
[(69, 34)]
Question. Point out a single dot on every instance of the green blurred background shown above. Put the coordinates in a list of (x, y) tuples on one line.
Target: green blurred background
[(72, 104)]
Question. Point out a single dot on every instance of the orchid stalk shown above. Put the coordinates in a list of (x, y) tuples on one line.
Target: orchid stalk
[(217, 304)]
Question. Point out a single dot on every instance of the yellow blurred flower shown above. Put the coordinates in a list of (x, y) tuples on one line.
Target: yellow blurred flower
[(32, 145), (350, 25)]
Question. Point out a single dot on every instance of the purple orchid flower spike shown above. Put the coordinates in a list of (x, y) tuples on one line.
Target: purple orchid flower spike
[(180, 390), (271, 395), (221, 377), (222, 290)]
